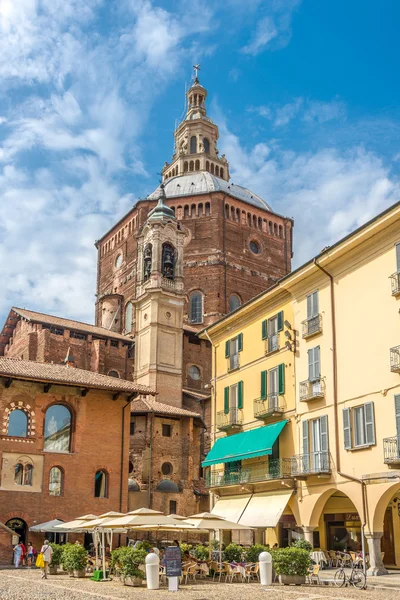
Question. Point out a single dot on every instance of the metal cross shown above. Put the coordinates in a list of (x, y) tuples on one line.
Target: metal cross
[(196, 70)]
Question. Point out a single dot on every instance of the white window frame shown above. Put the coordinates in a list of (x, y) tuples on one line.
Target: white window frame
[(273, 387), (234, 353)]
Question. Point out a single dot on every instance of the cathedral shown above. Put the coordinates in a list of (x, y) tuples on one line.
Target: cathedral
[(195, 249)]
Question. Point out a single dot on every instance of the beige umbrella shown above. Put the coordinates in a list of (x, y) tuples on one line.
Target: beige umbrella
[(103, 520), (142, 516), (78, 523)]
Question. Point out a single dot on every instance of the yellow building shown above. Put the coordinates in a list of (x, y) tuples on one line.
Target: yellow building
[(338, 469)]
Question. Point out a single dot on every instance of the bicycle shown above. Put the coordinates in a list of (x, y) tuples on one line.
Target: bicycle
[(357, 578)]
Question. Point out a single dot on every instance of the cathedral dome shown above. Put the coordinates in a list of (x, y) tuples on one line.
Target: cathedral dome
[(203, 183), (167, 486)]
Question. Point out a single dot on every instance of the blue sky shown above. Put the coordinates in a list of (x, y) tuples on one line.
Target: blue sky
[(305, 93)]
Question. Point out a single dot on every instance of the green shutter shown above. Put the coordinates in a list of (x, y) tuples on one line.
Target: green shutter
[(346, 429), (240, 342), (226, 400), (227, 349), (264, 330), (240, 394), (281, 379), (305, 461), (280, 320), (397, 414), (369, 423), (263, 385)]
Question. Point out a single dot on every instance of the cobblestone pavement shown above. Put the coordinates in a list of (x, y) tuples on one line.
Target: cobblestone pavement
[(28, 585)]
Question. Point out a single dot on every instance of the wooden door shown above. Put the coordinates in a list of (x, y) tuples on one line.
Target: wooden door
[(387, 543)]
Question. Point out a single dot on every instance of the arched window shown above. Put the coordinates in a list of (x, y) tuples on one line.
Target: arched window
[(270, 227), (232, 213), (249, 219), (207, 165), (196, 307), (128, 317), (234, 302), (191, 166), (55, 481), (118, 261), (23, 474), (259, 223), (238, 215), (217, 171), (186, 211), (208, 209), (200, 210), (275, 229), (113, 374), (19, 474), (197, 165), (212, 168), (227, 211), (168, 261), (185, 166), (193, 144), (206, 144), (18, 424), (28, 475), (147, 261), (254, 221), (280, 231), (193, 210), (221, 173), (57, 429), (100, 484)]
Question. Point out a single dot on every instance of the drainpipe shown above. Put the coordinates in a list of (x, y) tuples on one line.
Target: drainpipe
[(336, 416), (151, 459), (121, 483), (214, 402)]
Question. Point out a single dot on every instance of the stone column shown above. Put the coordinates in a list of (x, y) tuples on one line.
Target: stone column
[(308, 534), (376, 566)]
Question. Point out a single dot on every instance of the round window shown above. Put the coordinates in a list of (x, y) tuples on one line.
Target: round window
[(166, 468), (118, 261), (194, 372), (254, 247)]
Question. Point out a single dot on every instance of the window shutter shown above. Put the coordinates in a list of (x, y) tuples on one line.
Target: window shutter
[(398, 257), (310, 353), (324, 433), (346, 429), (264, 385), (227, 344), (309, 306), (264, 330), (306, 442), (369, 423), (317, 362), (397, 413), (240, 342), (280, 320), (281, 378), (226, 400), (240, 394)]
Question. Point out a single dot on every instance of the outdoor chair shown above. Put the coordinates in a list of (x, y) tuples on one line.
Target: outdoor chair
[(248, 571), (313, 574), (188, 572), (232, 573), (334, 558), (328, 558), (219, 571)]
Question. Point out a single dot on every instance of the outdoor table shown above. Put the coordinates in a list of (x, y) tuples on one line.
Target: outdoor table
[(319, 558)]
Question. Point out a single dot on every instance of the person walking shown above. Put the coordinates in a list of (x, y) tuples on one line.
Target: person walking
[(31, 555), (17, 554), (47, 552)]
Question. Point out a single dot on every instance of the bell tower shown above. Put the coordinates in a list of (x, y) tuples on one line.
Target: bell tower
[(196, 139), (159, 304)]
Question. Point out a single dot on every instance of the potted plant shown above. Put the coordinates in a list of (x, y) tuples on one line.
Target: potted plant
[(254, 552), (55, 559), (302, 543), (233, 553), (126, 562), (74, 559), (291, 564)]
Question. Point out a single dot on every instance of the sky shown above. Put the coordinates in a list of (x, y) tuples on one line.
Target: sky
[(305, 94)]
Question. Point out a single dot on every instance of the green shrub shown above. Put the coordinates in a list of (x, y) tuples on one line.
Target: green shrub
[(126, 561), (201, 552), (73, 557), (57, 553), (144, 545), (233, 553), (291, 561), (215, 545), (254, 552), (303, 544), (185, 548)]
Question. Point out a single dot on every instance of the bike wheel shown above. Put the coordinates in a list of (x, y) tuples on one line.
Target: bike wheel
[(340, 578), (358, 580)]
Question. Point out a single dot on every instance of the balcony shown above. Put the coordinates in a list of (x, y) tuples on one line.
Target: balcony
[(395, 281), (230, 420), (312, 390), (312, 326), (272, 343), (266, 407), (395, 359), (276, 468), (313, 463), (391, 450), (233, 362)]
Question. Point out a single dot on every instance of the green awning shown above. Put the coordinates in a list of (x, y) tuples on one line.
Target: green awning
[(249, 444)]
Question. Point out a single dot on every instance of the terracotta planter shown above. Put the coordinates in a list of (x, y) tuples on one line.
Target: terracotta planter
[(292, 579), (132, 581), (53, 569), (79, 572)]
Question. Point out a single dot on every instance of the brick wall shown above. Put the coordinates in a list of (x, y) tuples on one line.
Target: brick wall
[(6, 548)]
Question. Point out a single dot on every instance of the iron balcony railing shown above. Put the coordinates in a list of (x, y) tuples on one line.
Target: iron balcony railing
[(391, 450), (395, 359), (233, 362), (313, 463), (233, 418), (395, 281), (272, 343), (264, 407), (276, 468), (311, 389), (312, 326)]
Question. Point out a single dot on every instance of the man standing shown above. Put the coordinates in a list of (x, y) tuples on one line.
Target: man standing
[(47, 552)]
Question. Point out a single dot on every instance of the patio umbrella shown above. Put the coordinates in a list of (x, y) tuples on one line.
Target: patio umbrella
[(139, 517), (78, 523), (49, 527)]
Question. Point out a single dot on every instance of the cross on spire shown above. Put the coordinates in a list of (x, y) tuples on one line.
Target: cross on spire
[(196, 71)]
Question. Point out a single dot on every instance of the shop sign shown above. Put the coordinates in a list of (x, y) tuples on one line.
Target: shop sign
[(351, 517)]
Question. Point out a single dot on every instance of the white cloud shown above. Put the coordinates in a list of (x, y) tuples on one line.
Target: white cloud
[(264, 33), (286, 113), (321, 112), (272, 31), (310, 111)]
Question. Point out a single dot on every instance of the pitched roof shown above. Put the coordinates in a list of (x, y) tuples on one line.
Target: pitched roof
[(29, 370), (37, 317), (146, 405), (197, 395)]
